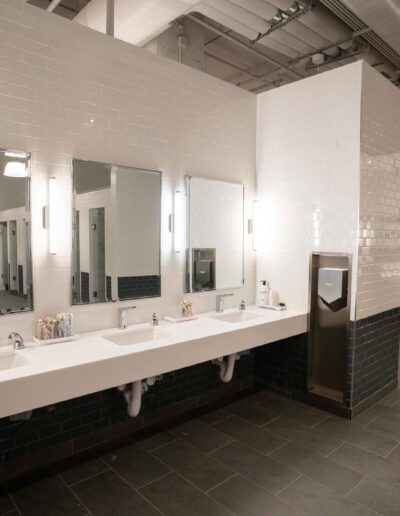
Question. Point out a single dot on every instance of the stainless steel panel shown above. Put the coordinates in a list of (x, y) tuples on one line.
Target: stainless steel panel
[(329, 319)]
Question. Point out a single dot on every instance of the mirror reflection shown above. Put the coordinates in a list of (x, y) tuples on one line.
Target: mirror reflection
[(15, 244), (215, 253), (116, 237)]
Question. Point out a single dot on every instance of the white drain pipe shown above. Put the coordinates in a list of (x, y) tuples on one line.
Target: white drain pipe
[(132, 393), (226, 367)]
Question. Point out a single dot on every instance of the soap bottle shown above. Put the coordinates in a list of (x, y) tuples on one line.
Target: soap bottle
[(263, 293)]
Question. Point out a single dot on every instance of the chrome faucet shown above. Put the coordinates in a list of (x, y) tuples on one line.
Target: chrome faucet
[(242, 305), (17, 340), (154, 321), (220, 302), (123, 317)]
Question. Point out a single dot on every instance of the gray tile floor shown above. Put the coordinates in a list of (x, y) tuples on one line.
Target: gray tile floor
[(263, 455)]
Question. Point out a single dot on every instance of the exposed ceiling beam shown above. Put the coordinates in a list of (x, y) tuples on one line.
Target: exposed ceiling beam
[(110, 18), (53, 5), (250, 48)]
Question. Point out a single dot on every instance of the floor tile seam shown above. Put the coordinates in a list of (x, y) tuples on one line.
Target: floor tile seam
[(157, 447), (359, 447), (240, 473), (173, 470), (322, 433), (7, 492), (136, 490), (274, 495), (87, 478), (74, 494)]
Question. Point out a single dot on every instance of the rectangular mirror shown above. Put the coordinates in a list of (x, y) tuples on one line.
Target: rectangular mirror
[(116, 233), (16, 292), (215, 234)]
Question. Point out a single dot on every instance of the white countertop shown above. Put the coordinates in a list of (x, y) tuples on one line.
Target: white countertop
[(92, 363)]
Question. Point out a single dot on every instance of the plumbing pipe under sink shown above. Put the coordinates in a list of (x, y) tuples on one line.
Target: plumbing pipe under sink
[(226, 366), (132, 393)]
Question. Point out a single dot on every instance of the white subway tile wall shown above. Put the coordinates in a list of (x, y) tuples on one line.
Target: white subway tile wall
[(308, 177), (379, 237), (67, 91)]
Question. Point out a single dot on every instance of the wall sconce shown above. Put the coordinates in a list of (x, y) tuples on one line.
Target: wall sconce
[(177, 221), (50, 216), (253, 226)]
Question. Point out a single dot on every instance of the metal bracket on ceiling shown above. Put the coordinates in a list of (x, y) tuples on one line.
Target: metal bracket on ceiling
[(344, 54), (283, 17)]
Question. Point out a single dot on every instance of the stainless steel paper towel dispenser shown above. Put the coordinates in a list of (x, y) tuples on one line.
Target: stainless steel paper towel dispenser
[(330, 295), (332, 287)]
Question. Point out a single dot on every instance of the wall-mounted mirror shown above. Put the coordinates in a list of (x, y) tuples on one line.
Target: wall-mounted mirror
[(116, 233), (215, 236), (16, 292)]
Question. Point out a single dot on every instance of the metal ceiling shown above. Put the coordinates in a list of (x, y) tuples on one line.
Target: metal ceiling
[(66, 8), (255, 44), (351, 18)]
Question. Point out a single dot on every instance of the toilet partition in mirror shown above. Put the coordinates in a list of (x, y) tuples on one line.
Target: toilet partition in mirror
[(215, 234), (16, 294), (116, 233)]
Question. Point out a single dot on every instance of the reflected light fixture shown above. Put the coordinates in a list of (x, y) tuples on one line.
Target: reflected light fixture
[(255, 226), (16, 168), (179, 222), (52, 216)]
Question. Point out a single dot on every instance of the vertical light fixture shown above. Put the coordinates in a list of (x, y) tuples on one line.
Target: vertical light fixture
[(255, 226), (53, 229), (179, 222)]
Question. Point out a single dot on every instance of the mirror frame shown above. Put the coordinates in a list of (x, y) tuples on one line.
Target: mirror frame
[(114, 299), (29, 204), (187, 180)]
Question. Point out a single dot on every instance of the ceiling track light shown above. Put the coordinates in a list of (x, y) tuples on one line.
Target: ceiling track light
[(285, 16)]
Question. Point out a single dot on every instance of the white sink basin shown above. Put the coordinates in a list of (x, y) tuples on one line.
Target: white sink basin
[(11, 361), (236, 317), (126, 338)]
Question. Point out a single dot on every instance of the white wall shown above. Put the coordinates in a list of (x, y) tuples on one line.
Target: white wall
[(67, 91), (308, 177), (379, 242)]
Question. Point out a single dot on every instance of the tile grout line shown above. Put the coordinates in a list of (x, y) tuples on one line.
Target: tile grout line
[(134, 488), (356, 485), (86, 478), (74, 494), (157, 447), (152, 481), (289, 484), (232, 440), (327, 456), (15, 504), (390, 452), (364, 427), (187, 479), (234, 474)]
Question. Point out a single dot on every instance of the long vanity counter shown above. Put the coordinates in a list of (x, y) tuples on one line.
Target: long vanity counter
[(41, 375)]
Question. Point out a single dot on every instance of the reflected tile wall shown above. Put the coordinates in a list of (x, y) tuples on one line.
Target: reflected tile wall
[(379, 235)]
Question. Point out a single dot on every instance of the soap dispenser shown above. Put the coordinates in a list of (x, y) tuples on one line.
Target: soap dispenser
[(263, 293)]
